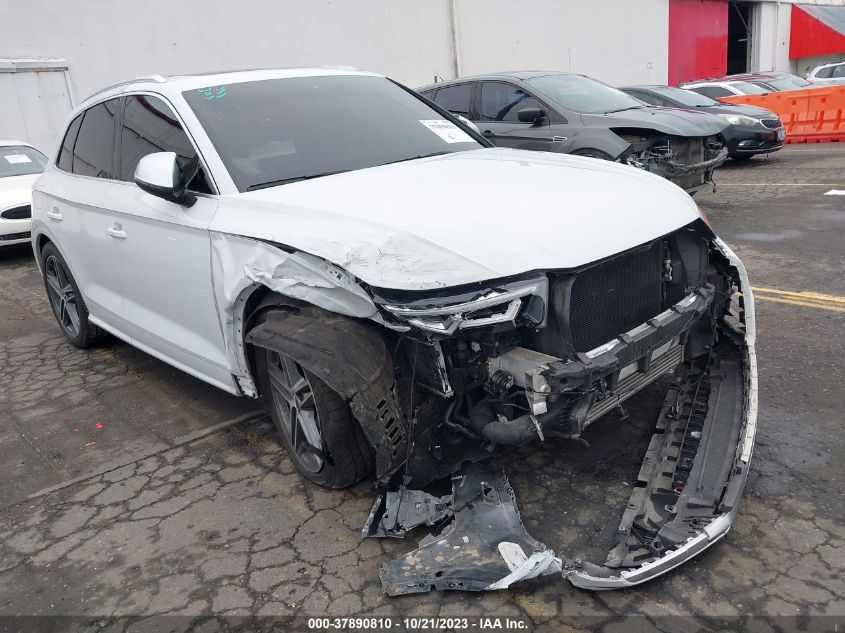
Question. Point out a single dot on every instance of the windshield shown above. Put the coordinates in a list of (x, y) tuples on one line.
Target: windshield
[(786, 83), (583, 94), (686, 98), (747, 88), (277, 131), (21, 160)]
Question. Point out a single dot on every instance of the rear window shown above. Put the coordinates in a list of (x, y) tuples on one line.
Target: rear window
[(748, 88), (21, 160), (455, 98), (278, 131)]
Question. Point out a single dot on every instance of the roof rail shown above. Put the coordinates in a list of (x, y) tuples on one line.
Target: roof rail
[(155, 78)]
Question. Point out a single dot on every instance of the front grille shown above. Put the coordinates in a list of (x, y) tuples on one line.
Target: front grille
[(17, 213), (16, 236), (772, 123), (616, 296)]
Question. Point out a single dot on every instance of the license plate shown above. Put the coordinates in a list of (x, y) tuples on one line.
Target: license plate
[(781, 134)]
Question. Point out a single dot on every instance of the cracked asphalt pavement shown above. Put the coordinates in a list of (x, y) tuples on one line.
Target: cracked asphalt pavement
[(126, 491)]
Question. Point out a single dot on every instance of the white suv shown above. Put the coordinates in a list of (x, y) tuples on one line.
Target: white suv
[(833, 73), (403, 295)]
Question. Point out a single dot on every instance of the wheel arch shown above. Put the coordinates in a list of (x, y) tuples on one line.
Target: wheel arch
[(351, 355)]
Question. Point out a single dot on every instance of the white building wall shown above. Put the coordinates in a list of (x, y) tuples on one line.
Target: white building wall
[(410, 40), (616, 41), (770, 31), (106, 41)]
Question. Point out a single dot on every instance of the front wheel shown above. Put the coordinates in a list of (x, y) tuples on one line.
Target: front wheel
[(592, 153), (324, 441)]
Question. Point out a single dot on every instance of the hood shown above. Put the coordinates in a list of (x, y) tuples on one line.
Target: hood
[(740, 108), (463, 217), (16, 190), (674, 121)]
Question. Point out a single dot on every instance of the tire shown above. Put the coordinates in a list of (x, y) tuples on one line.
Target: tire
[(66, 300), (338, 454), (592, 153)]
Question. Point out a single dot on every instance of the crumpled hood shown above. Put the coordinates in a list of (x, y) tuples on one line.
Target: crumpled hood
[(463, 217), (675, 121), (16, 190)]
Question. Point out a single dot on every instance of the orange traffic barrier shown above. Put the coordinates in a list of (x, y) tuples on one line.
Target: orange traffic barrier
[(810, 115)]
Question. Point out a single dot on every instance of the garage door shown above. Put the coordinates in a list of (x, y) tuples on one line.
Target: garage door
[(698, 39)]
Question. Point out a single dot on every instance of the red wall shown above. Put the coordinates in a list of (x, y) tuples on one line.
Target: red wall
[(698, 39), (809, 36)]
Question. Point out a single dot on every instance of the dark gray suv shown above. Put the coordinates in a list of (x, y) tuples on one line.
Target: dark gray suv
[(574, 114)]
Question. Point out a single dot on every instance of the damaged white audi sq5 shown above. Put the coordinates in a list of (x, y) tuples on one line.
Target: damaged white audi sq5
[(405, 298)]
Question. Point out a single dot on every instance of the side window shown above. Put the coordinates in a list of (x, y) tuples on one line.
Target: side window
[(826, 73), (648, 98), (501, 101), (714, 92), (65, 160), (455, 99), (149, 126), (93, 152), (838, 71)]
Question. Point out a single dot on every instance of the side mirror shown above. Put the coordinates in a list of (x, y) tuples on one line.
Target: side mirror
[(161, 175), (468, 123), (530, 115)]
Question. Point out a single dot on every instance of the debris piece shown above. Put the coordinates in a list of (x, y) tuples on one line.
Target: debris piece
[(484, 547)]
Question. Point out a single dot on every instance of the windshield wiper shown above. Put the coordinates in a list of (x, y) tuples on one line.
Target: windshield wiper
[(285, 181), (402, 160), (624, 109)]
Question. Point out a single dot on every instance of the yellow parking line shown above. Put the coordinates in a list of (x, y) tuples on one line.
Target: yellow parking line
[(805, 295), (806, 304)]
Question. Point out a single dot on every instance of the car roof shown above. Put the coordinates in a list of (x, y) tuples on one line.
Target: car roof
[(10, 142), (828, 64), (774, 74), (647, 87), (516, 74), (179, 83)]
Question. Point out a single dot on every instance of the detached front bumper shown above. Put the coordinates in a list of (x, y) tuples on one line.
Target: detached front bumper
[(716, 472)]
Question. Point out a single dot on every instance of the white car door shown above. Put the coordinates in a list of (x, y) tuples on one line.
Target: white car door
[(76, 209), (163, 251)]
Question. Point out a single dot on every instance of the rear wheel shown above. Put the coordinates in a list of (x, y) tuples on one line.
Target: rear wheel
[(66, 301), (323, 439)]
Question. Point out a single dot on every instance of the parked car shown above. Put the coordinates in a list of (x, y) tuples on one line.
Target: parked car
[(752, 130), (378, 272), (574, 114), (833, 73), (716, 88), (20, 165), (774, 81)]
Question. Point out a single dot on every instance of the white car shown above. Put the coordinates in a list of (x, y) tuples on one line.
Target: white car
[(716, 89), (378, 272), (20, 166), (833, 73)]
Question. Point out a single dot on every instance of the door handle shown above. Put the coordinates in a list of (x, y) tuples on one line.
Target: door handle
[(116, 231), (488, 133), (55, 214)]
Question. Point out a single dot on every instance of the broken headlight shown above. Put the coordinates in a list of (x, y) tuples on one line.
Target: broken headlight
[(507, 303)]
